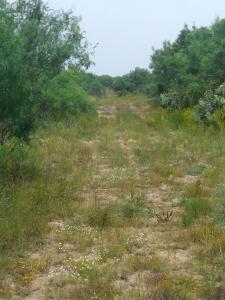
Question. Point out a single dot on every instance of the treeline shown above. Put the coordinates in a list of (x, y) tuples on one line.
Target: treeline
[(190, 72), (44, 57), (186, 73), (136, 81)]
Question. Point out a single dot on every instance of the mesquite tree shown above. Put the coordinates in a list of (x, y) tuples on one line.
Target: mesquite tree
[(36, 43)]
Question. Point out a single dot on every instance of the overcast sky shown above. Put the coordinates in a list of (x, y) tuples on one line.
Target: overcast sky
[(126, 30)]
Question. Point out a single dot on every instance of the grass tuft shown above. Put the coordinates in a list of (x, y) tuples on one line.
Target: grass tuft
[(195, 208)]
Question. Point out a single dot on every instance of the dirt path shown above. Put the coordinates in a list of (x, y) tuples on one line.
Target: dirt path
[(141, 252)]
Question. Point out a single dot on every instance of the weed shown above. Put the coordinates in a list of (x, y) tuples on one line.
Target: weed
[(133, 207), (144, 155), (197, 190), (146, 263), (211, 238), (83, 279), (80, 236), (98, 216), (18, 162), (171, 287)]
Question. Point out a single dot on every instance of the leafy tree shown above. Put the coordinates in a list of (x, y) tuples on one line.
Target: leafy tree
[(90, 83), (64, 97), (134, 82), (36, 43), (192, 64)]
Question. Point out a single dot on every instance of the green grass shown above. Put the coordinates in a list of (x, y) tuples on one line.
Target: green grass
[(133, 207), (195, 208), (103, 179)]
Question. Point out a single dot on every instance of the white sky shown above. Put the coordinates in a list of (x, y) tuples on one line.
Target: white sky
[(126, 30)]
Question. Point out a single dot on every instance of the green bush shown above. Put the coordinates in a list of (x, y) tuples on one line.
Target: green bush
[(136, 81), (92, 84), (170, 100), (208, 105), (36, 44), (64, 97)]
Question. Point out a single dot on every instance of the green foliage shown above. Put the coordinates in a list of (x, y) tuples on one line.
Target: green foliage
[(191, 65), (36, 44), (195, 208), (64, 97), (136, 81), (90, 83), (209, 104), (170, 100)]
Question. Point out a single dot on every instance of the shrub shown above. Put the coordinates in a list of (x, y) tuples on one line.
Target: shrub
[(63, 97), (207, 105), (91, 83), (170, 100), (211, 107), (137, 81)]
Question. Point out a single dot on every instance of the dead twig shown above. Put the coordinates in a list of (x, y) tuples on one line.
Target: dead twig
[(165, 217)]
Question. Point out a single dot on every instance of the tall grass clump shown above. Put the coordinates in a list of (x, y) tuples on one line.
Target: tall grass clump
[(133, 207), (18, 161), (98, 216), (195, 208)]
